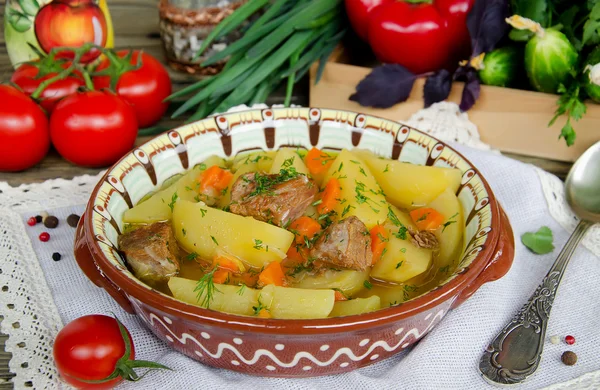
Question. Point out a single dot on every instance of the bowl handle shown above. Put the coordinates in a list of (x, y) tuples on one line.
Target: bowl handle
[(86, 262), (501, 262)]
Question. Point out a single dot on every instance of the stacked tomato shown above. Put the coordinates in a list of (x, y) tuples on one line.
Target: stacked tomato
[(90, 115)]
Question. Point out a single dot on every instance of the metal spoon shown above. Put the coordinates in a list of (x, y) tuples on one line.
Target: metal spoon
[(516, 351)]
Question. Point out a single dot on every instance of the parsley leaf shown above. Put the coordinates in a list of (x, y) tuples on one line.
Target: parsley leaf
[(205, 289), (191, 256), (449, 222), (571, 104), (539, 242), (591, 28), (173, 200)]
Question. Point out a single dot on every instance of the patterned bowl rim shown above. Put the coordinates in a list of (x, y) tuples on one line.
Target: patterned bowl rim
[(209, 317)]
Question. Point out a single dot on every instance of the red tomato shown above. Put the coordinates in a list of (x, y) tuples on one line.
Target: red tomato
[(71, 23), (24, 136), (93, 129), (88, 348), (422, 36), (25, 75), (145, 88)]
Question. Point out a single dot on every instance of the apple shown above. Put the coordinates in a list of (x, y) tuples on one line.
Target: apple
[(71, 23)]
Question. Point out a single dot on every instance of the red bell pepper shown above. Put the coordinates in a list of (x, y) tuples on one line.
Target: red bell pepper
[(421, 35)]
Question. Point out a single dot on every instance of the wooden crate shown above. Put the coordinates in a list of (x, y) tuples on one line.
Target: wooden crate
[(510, 120)]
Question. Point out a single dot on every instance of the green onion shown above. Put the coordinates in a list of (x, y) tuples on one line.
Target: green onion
[(283, 42)]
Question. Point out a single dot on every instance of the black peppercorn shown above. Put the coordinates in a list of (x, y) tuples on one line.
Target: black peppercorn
[(56, 256), (72, 220), (51, 222), (38, 218), (569, 358)]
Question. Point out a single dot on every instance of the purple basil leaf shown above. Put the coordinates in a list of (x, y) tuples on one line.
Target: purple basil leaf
[(487, 25), (471, 91), (461, 72), (385, 86), (437, 87)]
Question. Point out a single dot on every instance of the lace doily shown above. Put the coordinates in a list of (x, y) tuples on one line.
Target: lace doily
[(554, 191), (445, 121), (31, 319)]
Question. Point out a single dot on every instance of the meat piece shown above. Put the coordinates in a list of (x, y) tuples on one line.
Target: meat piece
[(344, 244), (272, 198), (423, 239), (151, 252)]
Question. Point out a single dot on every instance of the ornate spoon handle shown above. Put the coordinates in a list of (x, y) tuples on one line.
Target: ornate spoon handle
[(516, 351)]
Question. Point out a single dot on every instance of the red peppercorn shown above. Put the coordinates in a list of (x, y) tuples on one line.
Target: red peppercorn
[(44, 237), (570, 340), (31, 221)]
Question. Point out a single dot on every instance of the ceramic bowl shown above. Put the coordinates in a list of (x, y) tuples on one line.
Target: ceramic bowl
[(287, 348)]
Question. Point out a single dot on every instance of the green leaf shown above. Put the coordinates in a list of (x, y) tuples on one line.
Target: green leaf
[(568, 133), (19, 22), (567, 19), (536, 10), (591, 28), (29, 7), (539, 242)]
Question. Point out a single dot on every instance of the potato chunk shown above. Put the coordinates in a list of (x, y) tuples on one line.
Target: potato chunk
[(402, 261), (204, 230), (356, 306), (263, 160), (450, 234), (297, 303), (157, 207), (360, 195), (408, 185), (286, 158), (350, 282), (226, 298)]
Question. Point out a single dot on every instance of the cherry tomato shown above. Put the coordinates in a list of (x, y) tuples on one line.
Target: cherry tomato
[(145, 88), (24, 136), (93, 129), (25, 78), (89, 348), (97, 348)]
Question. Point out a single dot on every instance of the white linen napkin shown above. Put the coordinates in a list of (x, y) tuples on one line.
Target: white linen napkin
[(445, 359)]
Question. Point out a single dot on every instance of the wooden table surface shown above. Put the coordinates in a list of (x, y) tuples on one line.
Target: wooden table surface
[(136, 26)]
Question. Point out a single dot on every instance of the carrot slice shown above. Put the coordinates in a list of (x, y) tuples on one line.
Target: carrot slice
[(214, 179), (317, 161), (220, 276), (297, 253), (379, 240), (330, 196), (304, 227), (339, 296), (226, 263), (272, 274), (426, 218), (263, 313)]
